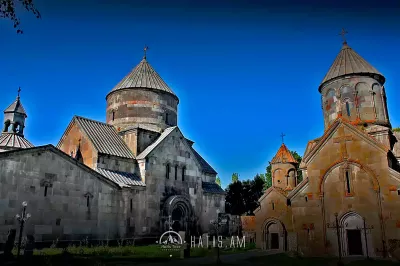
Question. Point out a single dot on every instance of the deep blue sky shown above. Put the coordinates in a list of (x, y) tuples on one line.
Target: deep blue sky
[(244, 73)]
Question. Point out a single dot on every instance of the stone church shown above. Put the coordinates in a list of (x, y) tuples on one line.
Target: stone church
[(134, 175), (348, 201)]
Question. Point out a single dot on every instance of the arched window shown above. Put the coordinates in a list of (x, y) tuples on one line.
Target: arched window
[(167, 171), (6, 125)]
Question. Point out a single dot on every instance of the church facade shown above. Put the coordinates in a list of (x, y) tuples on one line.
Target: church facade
[(347, 203), (135, 175)]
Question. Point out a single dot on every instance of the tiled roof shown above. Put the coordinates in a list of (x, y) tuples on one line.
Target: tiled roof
[(143, 76), (16, 107), (204, 165), (12, 140), (104, 137), (151, 147), (121, 178), (211, 187), (283, 156), (349, 62)]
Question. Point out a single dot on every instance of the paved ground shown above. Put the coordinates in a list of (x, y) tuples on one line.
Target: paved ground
[(226, 259)]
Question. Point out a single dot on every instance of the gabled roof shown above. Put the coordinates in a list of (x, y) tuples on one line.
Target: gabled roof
[(154, 145), (104, 137), (333, 128), (143, 76), (205, 167), (12, 140), (211, 187), (16, 107), (123, 179), (348, 62), (283, 156)]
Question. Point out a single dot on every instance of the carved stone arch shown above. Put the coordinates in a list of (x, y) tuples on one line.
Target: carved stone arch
[(182, 205), (374, 179), (273, 238)]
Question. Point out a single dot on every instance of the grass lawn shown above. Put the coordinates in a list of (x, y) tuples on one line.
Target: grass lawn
[(284, 260), (120, 255)]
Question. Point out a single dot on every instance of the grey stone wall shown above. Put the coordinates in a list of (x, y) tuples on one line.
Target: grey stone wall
[(116, 163), (63, 212), (175, 152)]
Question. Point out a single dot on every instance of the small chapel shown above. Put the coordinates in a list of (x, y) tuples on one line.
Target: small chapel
[(347, 203), (134, 175)]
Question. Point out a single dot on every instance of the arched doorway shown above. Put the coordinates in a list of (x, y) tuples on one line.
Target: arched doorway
[(178, 214), (274, 235), (354, 240)]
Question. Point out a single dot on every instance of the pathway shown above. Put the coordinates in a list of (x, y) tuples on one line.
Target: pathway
[(239, 258)]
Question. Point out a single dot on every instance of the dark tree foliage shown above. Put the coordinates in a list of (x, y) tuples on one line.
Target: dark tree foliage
[(242, 196), (8, 11)]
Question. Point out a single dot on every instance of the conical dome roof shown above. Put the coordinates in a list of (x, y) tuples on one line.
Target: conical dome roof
[(143, 76), (283, 156), (348, 62), (16, 107)]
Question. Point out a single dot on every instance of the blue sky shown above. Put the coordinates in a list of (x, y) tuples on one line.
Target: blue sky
[(244, 73)]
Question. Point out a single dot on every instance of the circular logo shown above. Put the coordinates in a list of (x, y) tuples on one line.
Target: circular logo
[(170, 240)]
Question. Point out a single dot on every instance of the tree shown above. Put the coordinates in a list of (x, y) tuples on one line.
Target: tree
[(298, 158), (8, 11), (218, 181), (242, 197), (235, 177)]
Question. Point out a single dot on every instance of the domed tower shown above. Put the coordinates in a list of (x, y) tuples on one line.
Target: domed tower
[(12, 136), (142, 98), (354, 89)]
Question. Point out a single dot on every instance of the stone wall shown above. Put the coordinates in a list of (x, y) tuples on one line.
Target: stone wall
[(69, 145), (141, 106), (356, 91), (61, 210), (174, 151)]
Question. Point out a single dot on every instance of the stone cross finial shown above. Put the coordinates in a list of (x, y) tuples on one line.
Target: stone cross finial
[(19, 91), (145, 51), (282, 135), (343, 33)]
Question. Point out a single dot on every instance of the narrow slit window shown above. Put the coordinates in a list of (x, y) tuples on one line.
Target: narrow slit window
[(167, 171), (398, 192), (113, 115), (87, 201), (348, 182), (176, 172), (306, 198), (348, 108), (166, 118), (273, 206), (183, 173), (45, 190), (131, 205)]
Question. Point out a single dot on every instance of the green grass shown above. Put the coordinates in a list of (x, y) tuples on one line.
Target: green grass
[(284, 260)]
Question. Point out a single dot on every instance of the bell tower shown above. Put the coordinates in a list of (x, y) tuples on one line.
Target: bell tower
[(12, 136)]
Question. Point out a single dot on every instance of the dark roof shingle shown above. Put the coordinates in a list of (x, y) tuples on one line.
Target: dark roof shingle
[(143, 76), (104, 138), (211, 187), (121, 178), (16, 107), (11, 140)]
